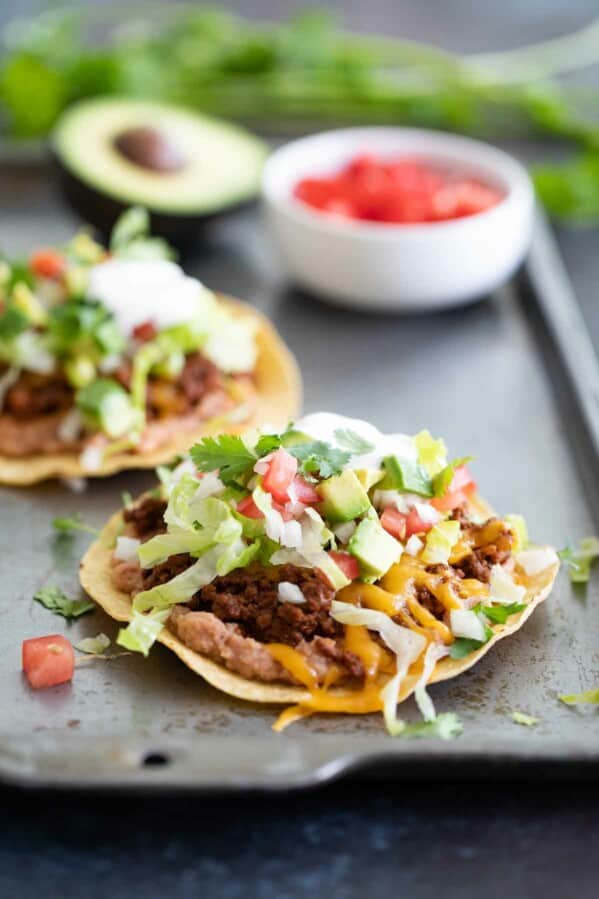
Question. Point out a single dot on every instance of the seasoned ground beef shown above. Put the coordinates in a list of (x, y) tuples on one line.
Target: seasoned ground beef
[(146, 518), (430, 601), (33, 395), (491, 543), (165, 571), (199, 378)]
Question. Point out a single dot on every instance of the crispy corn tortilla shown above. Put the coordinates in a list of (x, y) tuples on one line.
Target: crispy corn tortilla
[(95, 576), (277, 401)]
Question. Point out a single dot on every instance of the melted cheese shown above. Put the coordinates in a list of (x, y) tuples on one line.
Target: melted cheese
[(396, 596)]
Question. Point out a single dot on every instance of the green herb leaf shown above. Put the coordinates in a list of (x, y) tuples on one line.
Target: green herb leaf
[(131, 237), (227, 454), (442, 480), (318, 457), (579, 561), (84, 328), (94, 645), (524, 719), (463, 646), (267, 443), (349, 440), (446, 726), (58, 602), (12, 323), (499, 614), (75, 523), (587, 697)]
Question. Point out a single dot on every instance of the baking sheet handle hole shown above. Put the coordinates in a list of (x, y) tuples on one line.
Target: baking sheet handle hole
[(155, 760)]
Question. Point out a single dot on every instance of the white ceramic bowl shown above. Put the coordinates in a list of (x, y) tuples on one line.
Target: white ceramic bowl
[(398, 267)]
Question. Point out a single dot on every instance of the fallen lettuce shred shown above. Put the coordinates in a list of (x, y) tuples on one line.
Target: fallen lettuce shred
[(142, 631), (579, 561), (93, 645), (524, 719), (587, 697), (519, 529)]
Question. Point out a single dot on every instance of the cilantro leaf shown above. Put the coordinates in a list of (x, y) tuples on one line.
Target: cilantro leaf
[(579, 561), (84, 327), (442, 480), (354, 443), (446, 726), (227, 454), (463, 646), (12, 323), (499, 614), (68, 525), (318, 457), (587, 697), (267, 443), (524, 719), (58, 602)]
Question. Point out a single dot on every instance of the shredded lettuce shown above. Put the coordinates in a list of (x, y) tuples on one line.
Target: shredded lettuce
[(587, 697), (142, 631), (432, 454), (579, 561), (182, 587), (466, 623), (434, 652), (519, 529), (443, 479), (440, 541), (93, 645), (524, 719)]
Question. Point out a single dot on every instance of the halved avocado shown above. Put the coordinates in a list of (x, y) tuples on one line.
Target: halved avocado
[(183, 167)]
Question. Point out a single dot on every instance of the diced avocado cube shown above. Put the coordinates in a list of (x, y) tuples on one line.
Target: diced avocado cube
[(405, 475), (368, 477), (344, 497), (374, 548), (105, 405)]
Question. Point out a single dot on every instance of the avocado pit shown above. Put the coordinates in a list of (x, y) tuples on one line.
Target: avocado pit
[(150, 149)]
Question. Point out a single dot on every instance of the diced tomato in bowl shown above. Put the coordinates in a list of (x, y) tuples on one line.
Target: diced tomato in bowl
[(48, 661), (47, 264)]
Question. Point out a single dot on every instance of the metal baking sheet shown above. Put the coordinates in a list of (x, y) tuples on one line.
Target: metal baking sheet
[(484, 377)]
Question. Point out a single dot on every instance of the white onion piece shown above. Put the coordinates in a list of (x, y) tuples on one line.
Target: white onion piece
[(75, 485), (533, 561), (71, 426), (427, 513), (344, 532), (502, 588), (414, 545), (291, 593), (466, 623), (126, 549), (210, 485), (91, 458)]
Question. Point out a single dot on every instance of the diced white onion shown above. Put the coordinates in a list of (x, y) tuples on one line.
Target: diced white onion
[(428, 513), (126, 549), (210, 484), (533, 561), (502, 588), (291, 593), (414, 545), (466, 623), (110, 363), (91, 458), (75, 485), (71, 426), (344, 531)]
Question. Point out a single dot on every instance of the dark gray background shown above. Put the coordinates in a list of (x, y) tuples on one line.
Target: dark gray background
[(465, 840)]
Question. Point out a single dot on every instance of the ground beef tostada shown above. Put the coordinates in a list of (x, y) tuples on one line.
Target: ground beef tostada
[(331, 565), (115, 358)]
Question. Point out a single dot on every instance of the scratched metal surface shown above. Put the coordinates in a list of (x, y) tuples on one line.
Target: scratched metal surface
[(473, 375)]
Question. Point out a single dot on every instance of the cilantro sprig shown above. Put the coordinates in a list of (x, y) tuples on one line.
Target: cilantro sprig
[(229, 455), (71, 524), (487, 614), (55, 600)]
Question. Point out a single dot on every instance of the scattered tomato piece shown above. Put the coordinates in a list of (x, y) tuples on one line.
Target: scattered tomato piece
[(145, 331), (396, 191), (47, 264), (248, 507), (394, 522), (348, 564), (415, 524), (305, 492), (48, 661)]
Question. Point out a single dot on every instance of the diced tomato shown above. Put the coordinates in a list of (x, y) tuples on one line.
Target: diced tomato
[(305, 492), (47, 264), (48, 661), (462, 486), (394, 522), (415, 524), (145, 331), (279, 475), (248, 507), (348, 564)]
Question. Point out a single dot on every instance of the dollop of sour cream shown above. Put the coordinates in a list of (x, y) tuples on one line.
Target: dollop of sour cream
[(137, 291), (324, 425)]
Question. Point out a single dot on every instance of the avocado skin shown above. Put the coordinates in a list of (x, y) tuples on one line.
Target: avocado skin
[(102, 211)]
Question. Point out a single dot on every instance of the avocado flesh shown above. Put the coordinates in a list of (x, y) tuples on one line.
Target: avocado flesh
[(374, 548), (220, 170), (343, 497)]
